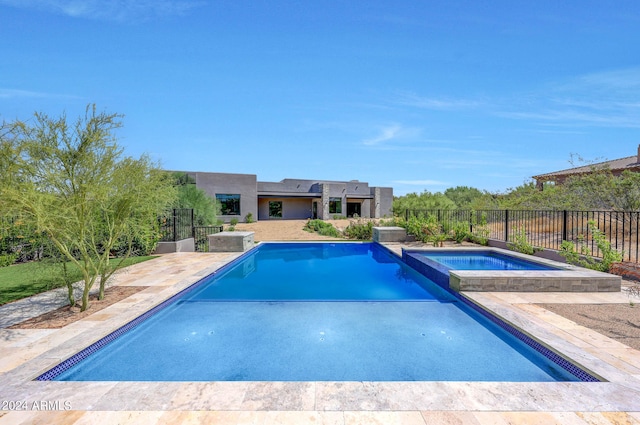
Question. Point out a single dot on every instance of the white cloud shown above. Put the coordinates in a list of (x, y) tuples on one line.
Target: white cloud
[(621, 80), (390, 133), (573, 117), (605, 99), (109, 10), (440, 104), (17, 94), (386, 134), (12, 94)]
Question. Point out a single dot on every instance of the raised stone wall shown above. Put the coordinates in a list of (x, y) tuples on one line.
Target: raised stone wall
[(231, 241), (185, 245), (389, 234)]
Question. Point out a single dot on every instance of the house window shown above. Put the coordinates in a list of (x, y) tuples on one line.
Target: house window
[(229, 204), (335, 205), (275, 209)]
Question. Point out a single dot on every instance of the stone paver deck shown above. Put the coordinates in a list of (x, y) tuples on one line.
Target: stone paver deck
[(24, 354)]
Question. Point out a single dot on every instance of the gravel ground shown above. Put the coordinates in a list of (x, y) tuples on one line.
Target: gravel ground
[(617, 321), (286, 230)]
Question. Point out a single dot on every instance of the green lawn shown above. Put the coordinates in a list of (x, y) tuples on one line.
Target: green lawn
[(23, 280)]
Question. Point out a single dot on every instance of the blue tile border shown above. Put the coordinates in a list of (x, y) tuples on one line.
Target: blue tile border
[(575, 370), (440, 275)]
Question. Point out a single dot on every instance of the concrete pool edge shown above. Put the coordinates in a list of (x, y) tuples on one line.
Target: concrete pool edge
[(568, 278), (620, 394)]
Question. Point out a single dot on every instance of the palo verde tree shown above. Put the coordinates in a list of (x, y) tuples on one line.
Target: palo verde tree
[(74, 183)]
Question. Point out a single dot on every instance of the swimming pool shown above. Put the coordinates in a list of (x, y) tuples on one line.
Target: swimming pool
[(303, 312)]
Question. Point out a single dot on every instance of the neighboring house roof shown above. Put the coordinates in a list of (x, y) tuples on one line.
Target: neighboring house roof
[(616, 166)]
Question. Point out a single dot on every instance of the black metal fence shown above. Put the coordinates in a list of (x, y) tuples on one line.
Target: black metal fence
[(176, 225), (200, 234), (179, 225), (547, 229)]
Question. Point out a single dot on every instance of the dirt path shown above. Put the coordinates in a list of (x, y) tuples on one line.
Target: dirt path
[(286, 230)]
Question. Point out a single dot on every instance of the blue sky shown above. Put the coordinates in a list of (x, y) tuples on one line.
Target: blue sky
[(416, 95)]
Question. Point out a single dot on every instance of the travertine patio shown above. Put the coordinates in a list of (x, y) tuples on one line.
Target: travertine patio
[(26, 353)]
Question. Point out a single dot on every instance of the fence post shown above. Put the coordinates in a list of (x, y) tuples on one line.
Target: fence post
[(624, 221), (564, 225), (506, 225), (193, 227), (174, 218)]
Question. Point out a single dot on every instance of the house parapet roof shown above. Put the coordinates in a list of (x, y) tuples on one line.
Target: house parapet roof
[(270, 194), (289, 194)]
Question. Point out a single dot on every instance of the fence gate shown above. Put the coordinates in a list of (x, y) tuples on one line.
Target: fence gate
[(178, 224)]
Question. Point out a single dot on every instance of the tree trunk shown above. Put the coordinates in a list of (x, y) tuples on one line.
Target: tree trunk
[(88, 283), (70, 295)]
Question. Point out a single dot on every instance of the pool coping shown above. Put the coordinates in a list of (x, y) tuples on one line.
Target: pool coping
[(615, 362), (561, 362), (568, 278)]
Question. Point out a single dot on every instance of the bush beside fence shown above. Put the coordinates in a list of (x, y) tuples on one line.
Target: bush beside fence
[(546, 228)]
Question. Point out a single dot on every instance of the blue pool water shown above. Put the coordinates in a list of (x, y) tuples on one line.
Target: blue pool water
[(486, 260), (316, 312), (320, 272)]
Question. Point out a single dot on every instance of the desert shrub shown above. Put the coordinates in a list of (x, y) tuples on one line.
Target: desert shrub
[(480, 236), (140, 245), (426, 229), (233, 221), (481, 231), (413, 226), (521, 244), (7, 259), (360, 230), (580, 255), (248, 218), (437, 238), (22, 240), (432, 231), (392, 222), (322, 228), (459, 231)]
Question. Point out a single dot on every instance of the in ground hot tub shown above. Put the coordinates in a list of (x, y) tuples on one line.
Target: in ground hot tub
[(498, 270)]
